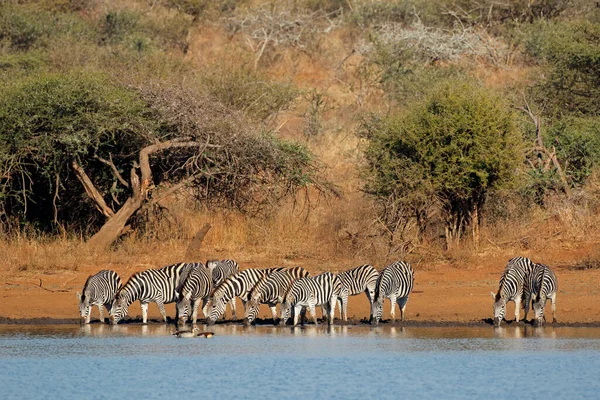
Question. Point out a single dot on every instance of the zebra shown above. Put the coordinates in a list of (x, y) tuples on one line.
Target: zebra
[(544, 286), (99, 290), (514, 287), (355, 281), (221, 270), (196, 287), (395, 282), (271, 290), (238, 285), (160, 286), (321, 290)]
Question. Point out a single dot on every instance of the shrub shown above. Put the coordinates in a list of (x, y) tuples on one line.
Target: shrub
[(454, 147), (570, 53)]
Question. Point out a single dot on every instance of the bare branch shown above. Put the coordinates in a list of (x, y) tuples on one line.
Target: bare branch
[(91, 190), (112, 166)]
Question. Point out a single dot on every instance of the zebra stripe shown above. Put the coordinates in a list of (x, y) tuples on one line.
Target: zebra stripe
[(222, 270), (309, 292), (99, 290), (544, 286), (395, 282), (160, 286), (239, 285), (271, 290), (196, 287), (514, 287), (355, 281)]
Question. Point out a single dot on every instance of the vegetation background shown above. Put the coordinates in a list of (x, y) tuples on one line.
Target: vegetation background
[(321, 132)]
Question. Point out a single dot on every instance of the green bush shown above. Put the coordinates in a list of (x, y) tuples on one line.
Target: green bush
[(577, 143), (570, 54), (454, 147)]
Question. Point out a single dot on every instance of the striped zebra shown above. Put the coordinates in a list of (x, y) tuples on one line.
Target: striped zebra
[(395, 282), (544, 286), (196, 288), (239, 285), (321, 290), (271, 290), (160, 286), (222, 270), (514, 287), (356, 281), (99, 290)]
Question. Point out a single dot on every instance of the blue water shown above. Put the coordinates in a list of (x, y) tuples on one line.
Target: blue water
[(98, 361)]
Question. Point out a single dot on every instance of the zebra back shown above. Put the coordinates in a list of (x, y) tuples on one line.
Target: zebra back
[(320, 288), (221, 270), (543, 282), (397, 278), (515, 279), (358, 279), (197, 283)]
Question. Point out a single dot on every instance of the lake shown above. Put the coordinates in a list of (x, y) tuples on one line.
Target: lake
[(345, 362)]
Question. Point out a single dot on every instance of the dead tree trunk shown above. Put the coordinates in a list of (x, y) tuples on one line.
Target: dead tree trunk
[(140, 186)]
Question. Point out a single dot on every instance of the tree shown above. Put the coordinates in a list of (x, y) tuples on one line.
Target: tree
[(451, 149), (79, 142)]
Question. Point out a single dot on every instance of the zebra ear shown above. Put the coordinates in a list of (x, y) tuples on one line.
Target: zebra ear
[(78, 296), (188, 296), (493, 295)]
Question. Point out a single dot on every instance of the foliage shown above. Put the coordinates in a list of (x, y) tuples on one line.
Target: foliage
[(453, 148), (577, 143), (570, 53)]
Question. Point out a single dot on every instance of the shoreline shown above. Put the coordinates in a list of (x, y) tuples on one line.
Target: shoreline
[(486, 322)]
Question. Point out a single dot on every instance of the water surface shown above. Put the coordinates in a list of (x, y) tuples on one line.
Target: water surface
[(101, 361)]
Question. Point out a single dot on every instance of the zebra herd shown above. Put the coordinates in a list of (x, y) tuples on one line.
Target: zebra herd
[(218, 283), (521, 282)]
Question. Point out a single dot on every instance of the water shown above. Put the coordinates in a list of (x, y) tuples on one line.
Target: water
[(133, 361)]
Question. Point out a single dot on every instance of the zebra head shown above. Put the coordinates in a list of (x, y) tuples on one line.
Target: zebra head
[(84, 307), (251, 311), (216, 308), (119, 309), (499, 308), (377, 310), (538, 310), (184, 305)]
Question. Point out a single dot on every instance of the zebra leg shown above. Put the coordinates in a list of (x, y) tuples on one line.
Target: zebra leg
[(195, 307), (526, 300), (517, 308), (273, 309), (205, 307), (161, 308), (233, 310), (144, 312), (313, 313), (393, 310), (402, 305), (553, 301), (297, 311), (332, 310), (101, 311)]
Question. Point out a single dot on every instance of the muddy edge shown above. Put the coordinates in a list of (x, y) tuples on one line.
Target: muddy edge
[(268, 322)]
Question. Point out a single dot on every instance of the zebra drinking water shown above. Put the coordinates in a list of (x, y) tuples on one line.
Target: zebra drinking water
[(196, 287), (395, 282), (514, 287), (271, 290), (355, 281), (99, 290), (222, 270), (239, 285), (321, 290), (160, 286), (544, 286)]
